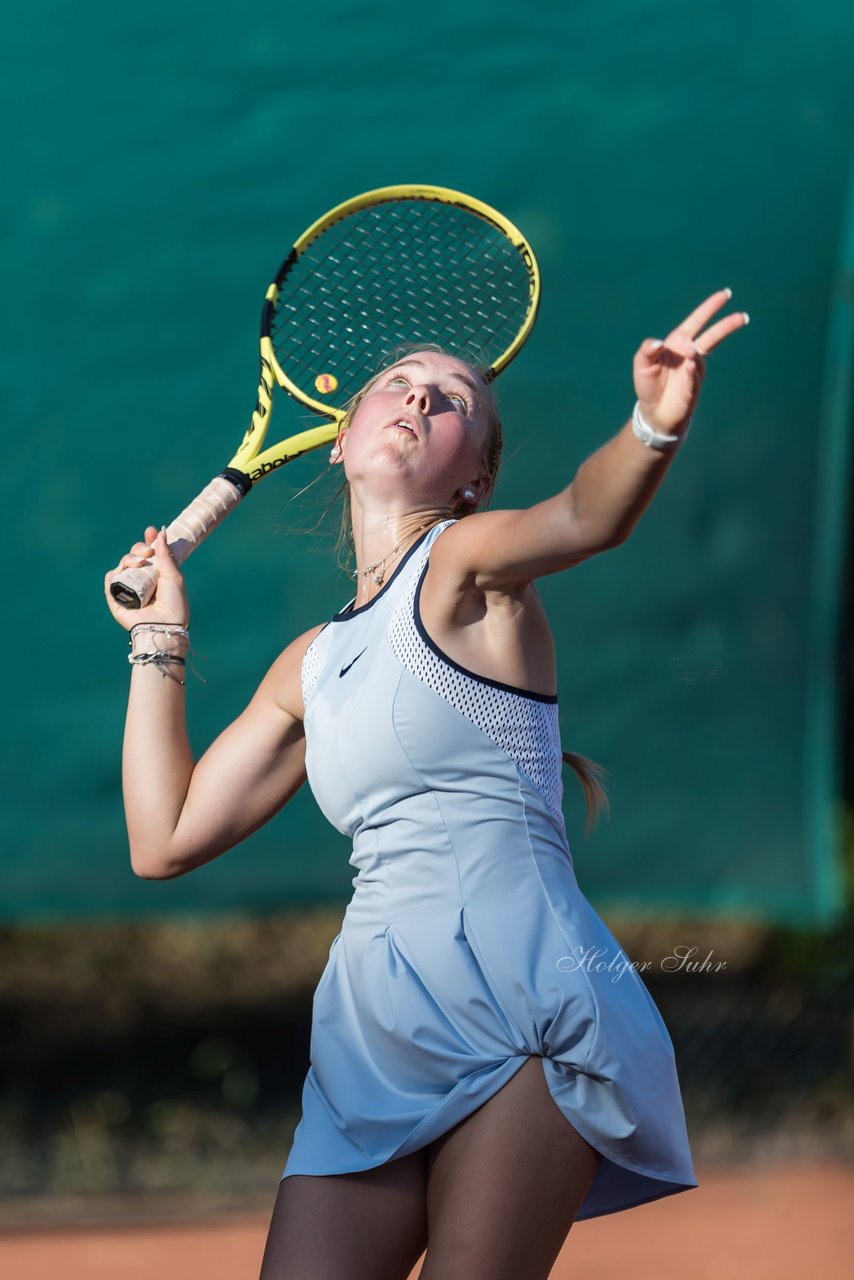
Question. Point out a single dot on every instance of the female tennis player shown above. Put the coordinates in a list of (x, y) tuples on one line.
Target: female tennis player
[(486, 1066)]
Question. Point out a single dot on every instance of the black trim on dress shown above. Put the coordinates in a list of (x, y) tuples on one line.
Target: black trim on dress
[(431, 644), (349, 612)]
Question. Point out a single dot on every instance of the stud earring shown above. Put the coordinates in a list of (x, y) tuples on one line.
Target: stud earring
[(468, 493)]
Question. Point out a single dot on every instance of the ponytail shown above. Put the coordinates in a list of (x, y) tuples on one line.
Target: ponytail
[(589, 773)]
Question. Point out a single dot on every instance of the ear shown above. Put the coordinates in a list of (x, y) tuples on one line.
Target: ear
[(479, 486), (336, 454)]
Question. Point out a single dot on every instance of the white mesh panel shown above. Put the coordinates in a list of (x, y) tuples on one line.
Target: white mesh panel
[(526, 728), (309, 672)]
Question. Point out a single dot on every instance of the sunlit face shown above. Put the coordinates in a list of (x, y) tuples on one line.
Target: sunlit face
[(421, 425)]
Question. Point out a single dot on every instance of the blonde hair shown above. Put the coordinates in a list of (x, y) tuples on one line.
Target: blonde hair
[(588, 771)]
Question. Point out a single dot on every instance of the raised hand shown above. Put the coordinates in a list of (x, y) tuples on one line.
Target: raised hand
[(668, 375)]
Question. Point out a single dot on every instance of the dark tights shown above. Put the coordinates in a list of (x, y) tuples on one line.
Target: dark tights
[(495, 1197)]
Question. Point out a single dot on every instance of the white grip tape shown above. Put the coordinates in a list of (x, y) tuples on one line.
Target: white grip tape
[(185, 533), (195, 522)]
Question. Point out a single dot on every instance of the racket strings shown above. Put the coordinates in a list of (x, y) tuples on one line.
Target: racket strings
[(400, 272)]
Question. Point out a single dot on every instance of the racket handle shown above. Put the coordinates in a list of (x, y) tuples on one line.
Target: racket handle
[(135, 587)]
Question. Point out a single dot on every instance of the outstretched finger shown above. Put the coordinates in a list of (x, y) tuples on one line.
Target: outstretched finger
[(700, 316), (713, 337)]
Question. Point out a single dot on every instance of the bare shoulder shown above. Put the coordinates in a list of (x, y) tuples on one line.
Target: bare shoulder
[(461, 543), (502, 551), (283, 682)]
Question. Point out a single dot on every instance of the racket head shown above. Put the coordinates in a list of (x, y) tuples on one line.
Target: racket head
[(389, 269), (396, 266)]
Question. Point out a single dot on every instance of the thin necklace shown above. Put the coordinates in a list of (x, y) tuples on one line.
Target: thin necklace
[(380, 564)]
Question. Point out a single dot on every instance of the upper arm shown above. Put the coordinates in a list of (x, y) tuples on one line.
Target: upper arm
[(496, 550), (249, 772)]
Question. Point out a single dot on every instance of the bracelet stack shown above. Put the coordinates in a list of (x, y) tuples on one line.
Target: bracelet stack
[(162, 659)]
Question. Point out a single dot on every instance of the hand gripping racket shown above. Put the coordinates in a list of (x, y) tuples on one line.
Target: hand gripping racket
[(402, 264)]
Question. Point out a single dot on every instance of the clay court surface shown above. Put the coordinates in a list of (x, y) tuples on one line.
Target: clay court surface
[(757, 1222)]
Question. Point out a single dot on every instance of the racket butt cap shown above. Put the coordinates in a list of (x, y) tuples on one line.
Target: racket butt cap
[(124, 596)]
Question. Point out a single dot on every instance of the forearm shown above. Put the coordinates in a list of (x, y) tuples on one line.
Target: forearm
[(157, 763), (615, 485)]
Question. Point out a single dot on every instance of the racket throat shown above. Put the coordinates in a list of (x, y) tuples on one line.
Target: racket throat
[(241, 481)]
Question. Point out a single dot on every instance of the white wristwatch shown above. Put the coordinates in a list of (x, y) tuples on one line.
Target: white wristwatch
[(654, 439)]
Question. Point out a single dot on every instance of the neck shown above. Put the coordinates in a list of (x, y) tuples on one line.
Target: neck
[(382, 539)]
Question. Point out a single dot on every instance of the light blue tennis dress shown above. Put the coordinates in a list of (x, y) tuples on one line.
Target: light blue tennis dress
[(467, 944)]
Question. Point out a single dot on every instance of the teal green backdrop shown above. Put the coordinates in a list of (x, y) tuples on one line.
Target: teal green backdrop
[(159, 160)]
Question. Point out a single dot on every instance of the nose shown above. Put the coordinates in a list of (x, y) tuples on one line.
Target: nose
[(419, 396)]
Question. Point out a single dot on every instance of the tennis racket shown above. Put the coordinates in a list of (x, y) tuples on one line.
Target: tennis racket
[(402, 264)]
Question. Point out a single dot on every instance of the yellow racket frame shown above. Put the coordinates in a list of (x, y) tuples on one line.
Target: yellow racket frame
[(135, 586), (256, 464)]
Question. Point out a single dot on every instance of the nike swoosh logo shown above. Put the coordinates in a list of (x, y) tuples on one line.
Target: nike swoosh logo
[(344, 670)]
